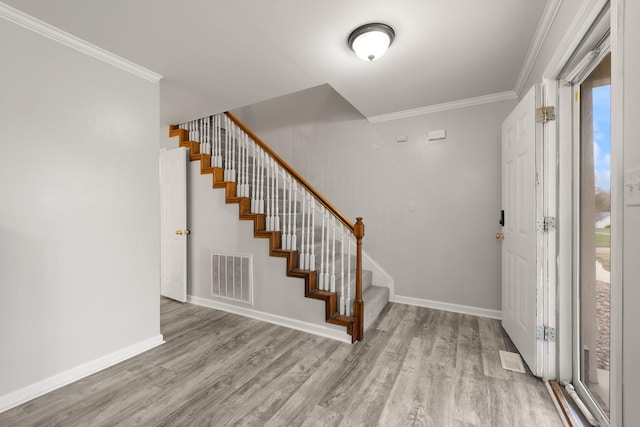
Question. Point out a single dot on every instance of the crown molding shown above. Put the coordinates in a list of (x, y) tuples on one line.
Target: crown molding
[(37, 26), (430, 109), (548, 16)]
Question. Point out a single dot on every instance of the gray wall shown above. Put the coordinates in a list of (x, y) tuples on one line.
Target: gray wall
[(445, 250), (79, 209)]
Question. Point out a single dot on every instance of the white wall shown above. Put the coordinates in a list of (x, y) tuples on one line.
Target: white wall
[(445, 250), (79, 209)]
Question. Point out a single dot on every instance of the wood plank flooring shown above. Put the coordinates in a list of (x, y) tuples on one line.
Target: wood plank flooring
[(415, 367)]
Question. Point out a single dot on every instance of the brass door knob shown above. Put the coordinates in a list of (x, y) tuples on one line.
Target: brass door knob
[(500, 236), (182, 232)]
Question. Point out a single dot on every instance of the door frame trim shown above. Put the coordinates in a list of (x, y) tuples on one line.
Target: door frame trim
[(547, 241), (563, 193)]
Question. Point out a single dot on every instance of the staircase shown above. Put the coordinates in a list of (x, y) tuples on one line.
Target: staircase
[(319, 243)]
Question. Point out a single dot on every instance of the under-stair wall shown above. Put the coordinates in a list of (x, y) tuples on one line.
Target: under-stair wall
[(277, 298)]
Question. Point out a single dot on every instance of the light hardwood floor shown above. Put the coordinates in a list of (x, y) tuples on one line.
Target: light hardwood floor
[(416, 366)]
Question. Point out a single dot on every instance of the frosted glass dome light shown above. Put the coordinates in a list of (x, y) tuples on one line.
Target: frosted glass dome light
[(371, 41)]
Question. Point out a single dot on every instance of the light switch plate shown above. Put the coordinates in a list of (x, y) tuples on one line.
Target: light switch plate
[(632, 187)]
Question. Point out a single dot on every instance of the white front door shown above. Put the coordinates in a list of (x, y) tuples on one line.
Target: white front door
[(519, 287), (173, 220)]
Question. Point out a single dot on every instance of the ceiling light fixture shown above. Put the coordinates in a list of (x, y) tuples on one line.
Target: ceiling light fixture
[(371, 41)]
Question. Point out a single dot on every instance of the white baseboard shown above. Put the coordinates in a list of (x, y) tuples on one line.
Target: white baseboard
[(32, 391), (456, 308), (273, 318)]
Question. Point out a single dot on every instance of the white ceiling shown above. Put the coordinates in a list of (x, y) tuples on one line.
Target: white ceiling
[(220, 55)]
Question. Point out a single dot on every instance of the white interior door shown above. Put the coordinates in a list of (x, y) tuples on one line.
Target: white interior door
[(173, 207), (519, 287)]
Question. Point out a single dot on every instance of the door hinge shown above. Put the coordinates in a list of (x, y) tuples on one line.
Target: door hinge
[(545, 333), (546, 223), (545, 114)]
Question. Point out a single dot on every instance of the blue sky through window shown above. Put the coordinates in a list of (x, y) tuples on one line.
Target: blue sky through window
[(602, 136)]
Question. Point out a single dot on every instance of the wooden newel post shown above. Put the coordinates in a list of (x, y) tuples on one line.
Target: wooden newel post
[(358, 304)]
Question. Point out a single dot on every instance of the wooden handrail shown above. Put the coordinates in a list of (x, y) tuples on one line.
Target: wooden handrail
[(292, 172)]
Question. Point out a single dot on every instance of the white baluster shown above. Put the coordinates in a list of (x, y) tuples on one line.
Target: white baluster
[(227, 151), (276, 215), (205, 130), (294, 245), (309, 231), (210, 141), (254, 187), (342, 305), (312, 256), (274, 180), (283, 236), (210, 132), (213, 140), (268, 218), (232, 143), (214, 136), (257, 188), (205, 136), (218, 141), (322, 281), (202, 136), (232, 138), (349, 304), (327, 278), (243, 161), (261, 186), (289, 213), (234, 155), (303, 229), (240, 186), (302, 261), (333, 257), (214, 149), (247, 142)]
